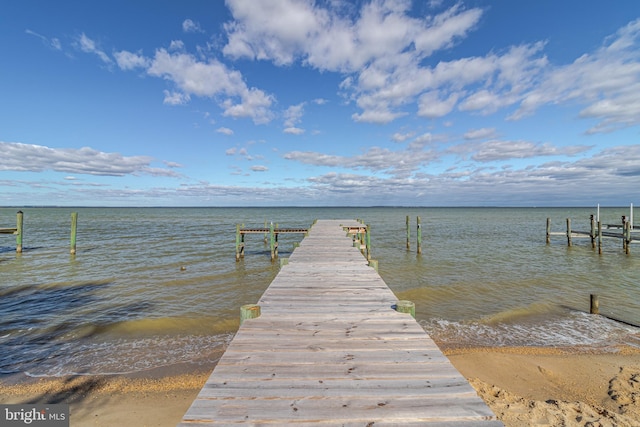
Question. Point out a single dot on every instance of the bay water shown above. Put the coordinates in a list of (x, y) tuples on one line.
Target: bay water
[(154, 288)]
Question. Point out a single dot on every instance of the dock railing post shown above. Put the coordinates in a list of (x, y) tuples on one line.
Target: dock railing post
[(368, 242), (74, 227), (272, 242), (404, 306), (419, 235), (569, 232), (408, 234), (19, 231), (249, 311)]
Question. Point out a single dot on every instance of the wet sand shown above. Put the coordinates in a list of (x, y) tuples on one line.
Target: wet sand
[(523, 386)]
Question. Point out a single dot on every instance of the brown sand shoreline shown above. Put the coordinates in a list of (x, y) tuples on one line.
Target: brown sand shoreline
[(523, 386)]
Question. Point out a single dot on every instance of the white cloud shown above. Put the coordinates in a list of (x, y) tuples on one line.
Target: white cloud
[(175, 98), (129, 61), (87, 45), (293, 131), (482, 133), (259, 168), (401, 137), (37, 158), (606, 81), (210, 79), (54, 43), (190, 26), (225, 131)]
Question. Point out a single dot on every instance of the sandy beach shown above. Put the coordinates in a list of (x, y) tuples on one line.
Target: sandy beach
[(523, 386)]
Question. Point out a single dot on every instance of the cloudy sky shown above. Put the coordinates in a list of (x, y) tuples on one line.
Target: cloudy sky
[(315, 103)]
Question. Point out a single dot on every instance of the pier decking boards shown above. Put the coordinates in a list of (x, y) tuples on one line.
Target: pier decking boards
[(328, 349)]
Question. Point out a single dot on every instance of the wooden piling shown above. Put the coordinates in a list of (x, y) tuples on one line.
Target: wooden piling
[(249, 311), (595, 304), (627, 237), (74, 227), (599, 237), (419, 235), (368, 242), (624, 232), (19, 231), (548, 231), (592, 234), (404, 306), (569, 232), (408, 234), (239, 243), (373, 263)]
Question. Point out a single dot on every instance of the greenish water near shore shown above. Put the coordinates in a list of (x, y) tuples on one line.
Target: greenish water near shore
[(152, 287)]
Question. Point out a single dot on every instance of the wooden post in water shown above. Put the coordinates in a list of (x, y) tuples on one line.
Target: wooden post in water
[(74, 227), (408, 234), (627, 237), (624, 232), (273, 242), (19, 231), (419, 235), (548, 231), (265, 234), (404, 306), (249, 311), (592, 234), (239, 243), (569, 232), (595, 305), (599, 237)]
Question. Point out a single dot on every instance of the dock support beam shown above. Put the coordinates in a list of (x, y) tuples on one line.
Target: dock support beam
[(74, 227), (19, 223)]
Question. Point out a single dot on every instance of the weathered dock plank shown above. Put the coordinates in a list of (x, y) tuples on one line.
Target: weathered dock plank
[(328, 349)]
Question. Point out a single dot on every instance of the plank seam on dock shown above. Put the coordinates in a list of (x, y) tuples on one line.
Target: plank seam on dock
[(328, 349)]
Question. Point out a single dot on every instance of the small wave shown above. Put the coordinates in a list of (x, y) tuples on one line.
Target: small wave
[(125, 356), (576, 329)]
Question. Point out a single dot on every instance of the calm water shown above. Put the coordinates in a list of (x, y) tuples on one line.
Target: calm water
[(125, 303)]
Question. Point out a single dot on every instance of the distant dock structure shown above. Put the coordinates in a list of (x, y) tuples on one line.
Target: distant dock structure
[(328, 343), (598, 231)]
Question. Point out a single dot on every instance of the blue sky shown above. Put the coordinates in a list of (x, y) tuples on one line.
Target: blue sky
[(319, 103)]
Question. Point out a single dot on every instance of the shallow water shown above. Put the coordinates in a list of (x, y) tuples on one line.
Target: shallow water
[(152, 287)]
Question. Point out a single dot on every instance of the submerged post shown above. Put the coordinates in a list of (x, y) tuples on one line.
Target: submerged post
[(74, 227), (624, 233), (419, 236), (595, 304), (19, 221), (592, 234), (569, 232), (408, 234)]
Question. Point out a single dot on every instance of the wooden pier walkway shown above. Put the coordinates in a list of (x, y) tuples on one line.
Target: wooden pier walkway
[(328, 349)]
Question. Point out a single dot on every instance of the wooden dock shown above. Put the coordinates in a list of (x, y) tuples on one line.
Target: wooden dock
[(328, 349)]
